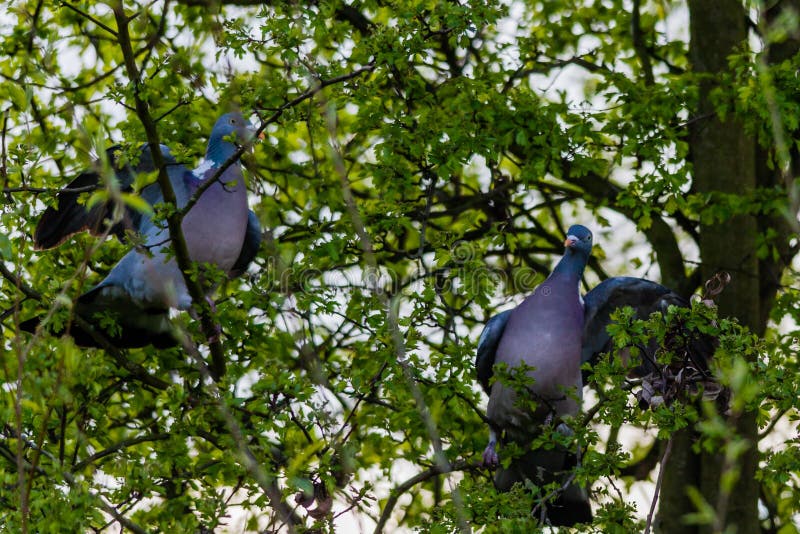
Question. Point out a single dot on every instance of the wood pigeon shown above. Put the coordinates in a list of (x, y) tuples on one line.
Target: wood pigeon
[(141, 288), (543, 336), (550, 334)]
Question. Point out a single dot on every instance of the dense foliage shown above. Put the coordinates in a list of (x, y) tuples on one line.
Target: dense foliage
[(420, 164)]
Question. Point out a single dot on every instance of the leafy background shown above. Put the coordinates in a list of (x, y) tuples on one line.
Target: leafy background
[(421, 163)]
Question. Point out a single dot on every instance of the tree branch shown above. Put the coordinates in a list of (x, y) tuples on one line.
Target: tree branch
[(639, 44), (436, 470), (659, 481), (116, 447), (174, 218), (87, 16)]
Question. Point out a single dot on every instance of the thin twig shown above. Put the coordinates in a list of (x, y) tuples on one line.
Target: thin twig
[(542, 504), (664, 458), (400, 489), (118, 446), (774, 421), (89, 17), (38, 190)]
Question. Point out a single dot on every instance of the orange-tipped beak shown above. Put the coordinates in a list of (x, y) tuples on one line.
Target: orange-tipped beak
[(570, 241), (262, 135)]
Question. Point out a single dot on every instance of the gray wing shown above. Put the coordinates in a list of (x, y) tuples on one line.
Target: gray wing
[(487, 348), (252, 242), (70, 215), (113, 317), (133, 327), (644, 296)]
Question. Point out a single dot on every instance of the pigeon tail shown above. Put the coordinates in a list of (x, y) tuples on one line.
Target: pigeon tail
[(569, 505), (132, 332)]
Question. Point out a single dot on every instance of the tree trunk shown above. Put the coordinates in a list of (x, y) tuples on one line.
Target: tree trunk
[(724, 161)]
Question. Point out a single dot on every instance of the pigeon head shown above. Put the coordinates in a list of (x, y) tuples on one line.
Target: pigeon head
[(578, 241), (577, 249), (230, 128)]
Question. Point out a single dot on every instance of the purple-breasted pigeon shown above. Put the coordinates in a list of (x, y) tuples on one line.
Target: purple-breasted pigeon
[(141, 288), (554, 331), (542, 335)]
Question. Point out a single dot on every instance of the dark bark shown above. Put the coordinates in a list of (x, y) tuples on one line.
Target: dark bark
[(724, 162), (724, 159), (770, 176)]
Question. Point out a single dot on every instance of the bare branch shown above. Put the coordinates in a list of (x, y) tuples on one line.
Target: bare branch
[(87, 16), (436, 470), (659, 481)]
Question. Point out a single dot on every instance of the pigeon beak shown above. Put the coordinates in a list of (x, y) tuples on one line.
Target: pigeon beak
[(570, 241)]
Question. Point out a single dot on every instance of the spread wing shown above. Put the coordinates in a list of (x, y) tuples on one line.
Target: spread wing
[(70, 214), (644, 296)]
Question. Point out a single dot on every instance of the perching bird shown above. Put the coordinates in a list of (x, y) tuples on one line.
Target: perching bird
[(644, 296), (141, 288), (555, 332), (543, 333)]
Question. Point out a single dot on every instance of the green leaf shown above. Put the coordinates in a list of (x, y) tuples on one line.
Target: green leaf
[(6, 250), (137, 203), (18, 96)]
